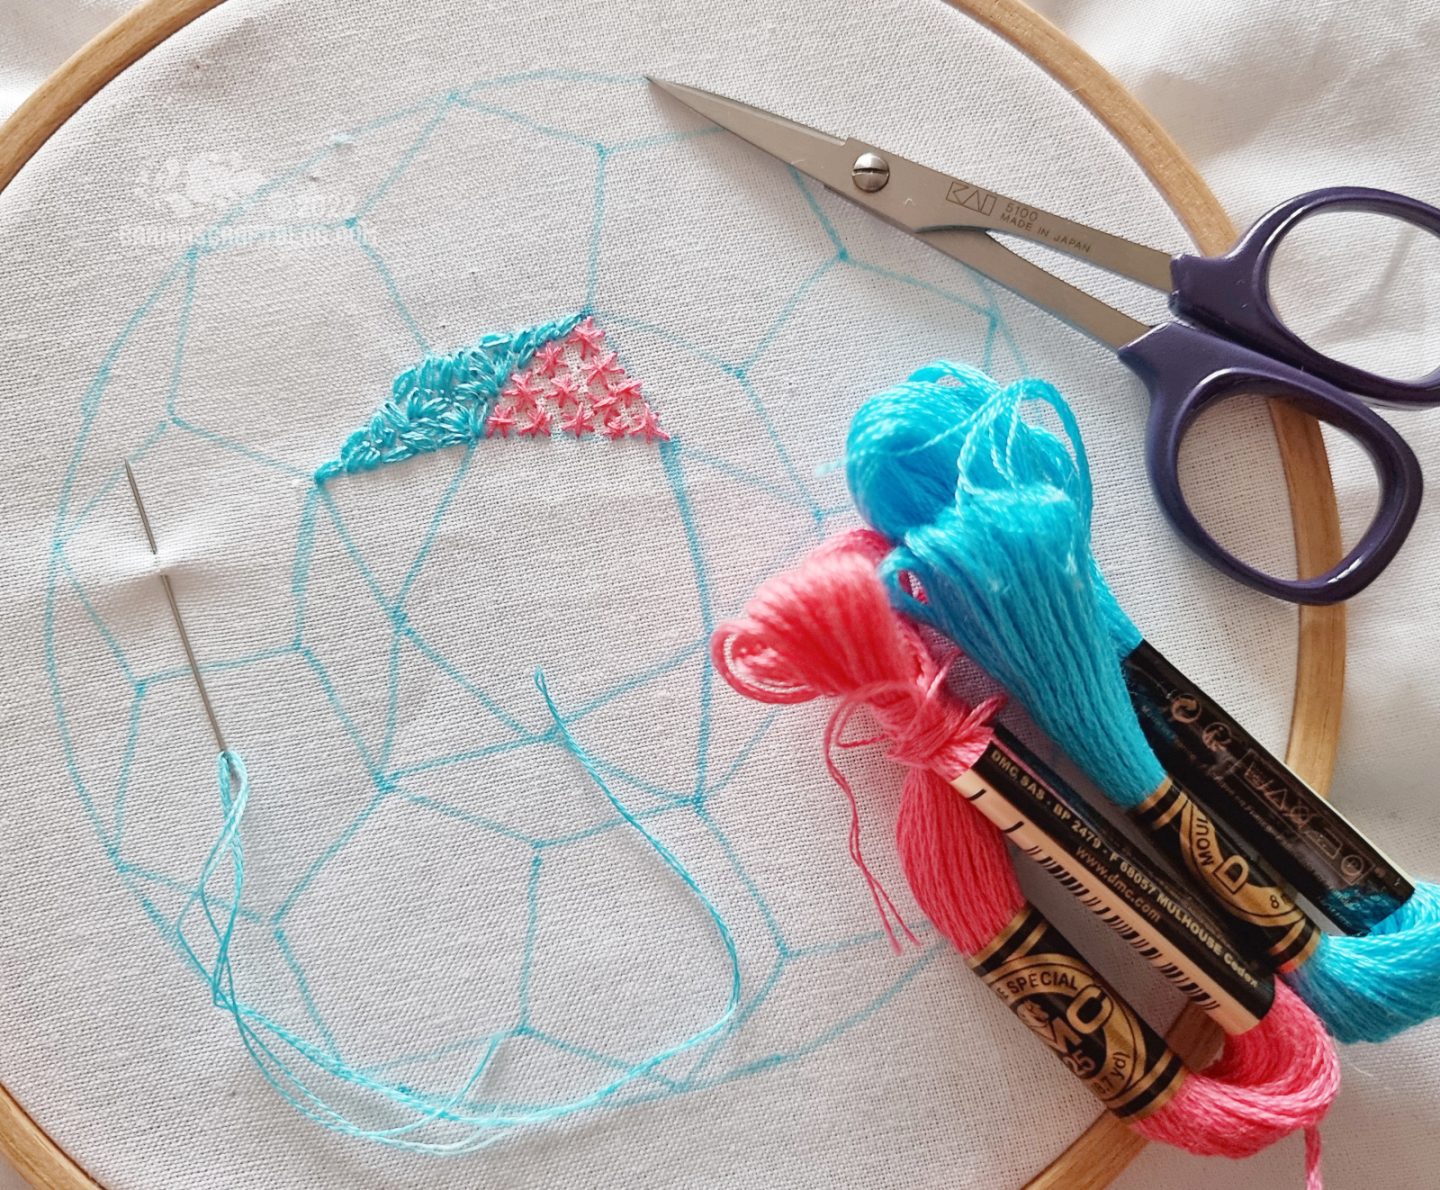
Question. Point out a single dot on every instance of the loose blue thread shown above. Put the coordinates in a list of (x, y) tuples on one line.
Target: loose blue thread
[(696, 799), (267, 1040)]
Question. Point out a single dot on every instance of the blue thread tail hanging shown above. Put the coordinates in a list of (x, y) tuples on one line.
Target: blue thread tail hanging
[(268, 1041)]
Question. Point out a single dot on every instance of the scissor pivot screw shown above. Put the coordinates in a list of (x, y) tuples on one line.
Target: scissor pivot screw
[(870, 172)]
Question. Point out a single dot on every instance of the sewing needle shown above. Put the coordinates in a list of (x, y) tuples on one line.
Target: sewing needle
[(175, 612)]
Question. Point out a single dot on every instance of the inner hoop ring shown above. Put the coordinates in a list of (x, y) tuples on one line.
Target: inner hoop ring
[(1096, 1157)]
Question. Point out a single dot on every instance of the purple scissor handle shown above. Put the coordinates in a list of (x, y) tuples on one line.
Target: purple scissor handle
[(1226, 339), (1186, 369), (1191, 363), (1230, 340), (1231, 293)]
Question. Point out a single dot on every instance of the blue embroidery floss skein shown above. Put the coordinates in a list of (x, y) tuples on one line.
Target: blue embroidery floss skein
[(991, 514), (824, 629)]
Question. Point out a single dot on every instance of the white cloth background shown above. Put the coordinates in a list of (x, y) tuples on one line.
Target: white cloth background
[(95, 1010)]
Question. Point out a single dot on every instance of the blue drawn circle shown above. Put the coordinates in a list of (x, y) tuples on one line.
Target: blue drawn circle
[(707, 1069)]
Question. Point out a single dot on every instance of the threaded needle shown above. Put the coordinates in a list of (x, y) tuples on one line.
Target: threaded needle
[(175, 612)]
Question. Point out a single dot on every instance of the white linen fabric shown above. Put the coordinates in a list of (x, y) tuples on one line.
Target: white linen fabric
[(1268, 100), (398, 907), (38, 37)]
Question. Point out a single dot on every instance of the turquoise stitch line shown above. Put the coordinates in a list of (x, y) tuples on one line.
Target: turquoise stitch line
[(392, 702), (225, 442), (347, 543), (300, 568), (449, 759), (445, 810), (532, 926), (820, 217), (625, 321), (268, 1040), (738, 763), (451, 671), (772, 332), (302, 985), (757, 402), (748, 478), (641, 143), (351, 830), (594, 1055), (600, 828), (90, 400), (182, 335), (442, 401), (327, 685), (160, 879), (747, 1010), (564, 76), (487, 109), (925, 286), (674, 472), (732, 857), (261, 1033)]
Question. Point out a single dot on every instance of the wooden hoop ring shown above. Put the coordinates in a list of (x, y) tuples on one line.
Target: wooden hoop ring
[(1095, 1158)]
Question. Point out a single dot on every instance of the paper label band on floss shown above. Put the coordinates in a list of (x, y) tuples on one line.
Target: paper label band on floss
[(1018, 793), (1059, 997), (1306, 838), (1242, 887)]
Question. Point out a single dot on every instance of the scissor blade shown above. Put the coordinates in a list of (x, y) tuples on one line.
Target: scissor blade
[(809, 150), (985, 254), (917, 198)]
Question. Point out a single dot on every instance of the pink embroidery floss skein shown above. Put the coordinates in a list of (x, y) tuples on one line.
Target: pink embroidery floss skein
[(826, 629), (990, 513)]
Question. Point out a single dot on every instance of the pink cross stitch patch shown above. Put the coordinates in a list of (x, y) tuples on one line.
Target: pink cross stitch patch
[(579, 386)]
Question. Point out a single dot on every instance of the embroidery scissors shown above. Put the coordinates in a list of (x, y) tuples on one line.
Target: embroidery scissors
[(1225, 339)]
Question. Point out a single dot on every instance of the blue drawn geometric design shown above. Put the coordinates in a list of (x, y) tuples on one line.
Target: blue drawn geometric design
[(696, 800)]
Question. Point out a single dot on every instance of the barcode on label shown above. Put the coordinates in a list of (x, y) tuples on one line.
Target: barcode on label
[(1117, 922)]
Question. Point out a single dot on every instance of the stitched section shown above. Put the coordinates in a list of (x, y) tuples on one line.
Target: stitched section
[(575, 386), (532, 383)]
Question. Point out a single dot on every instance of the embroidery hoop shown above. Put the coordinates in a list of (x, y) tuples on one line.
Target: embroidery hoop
[(1098, 1155)]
